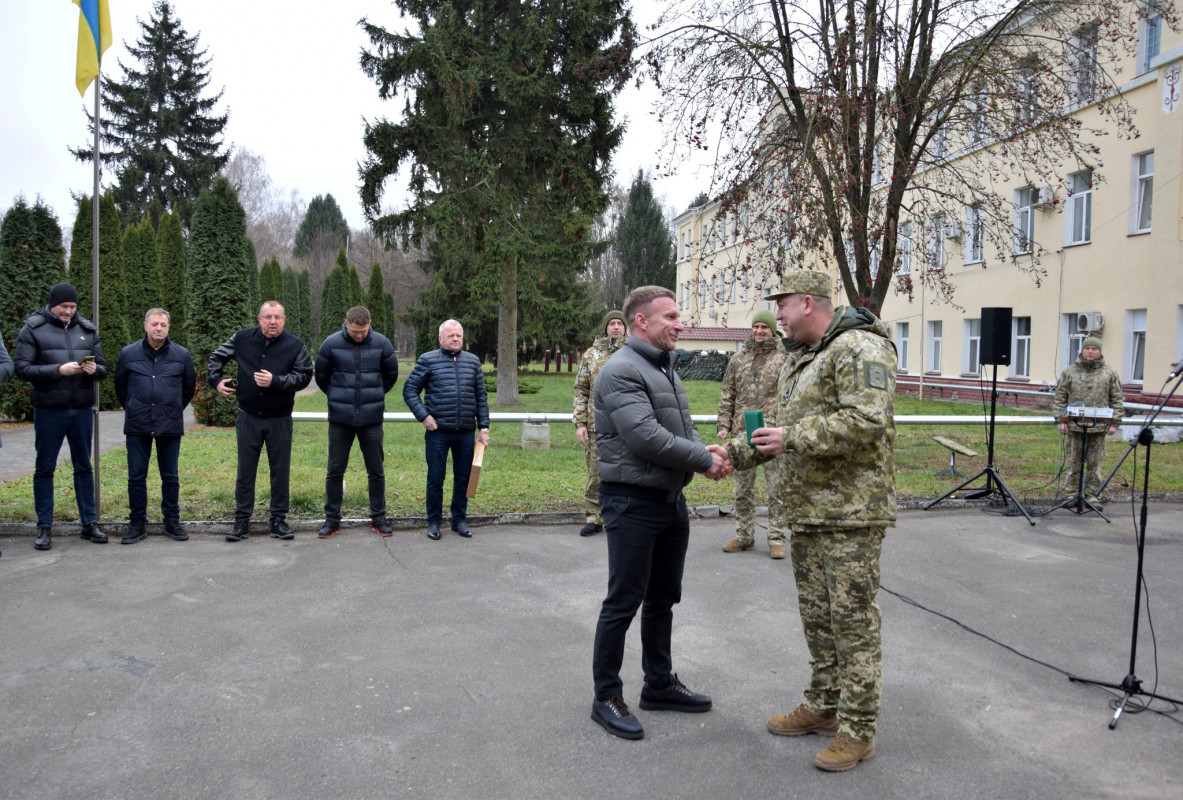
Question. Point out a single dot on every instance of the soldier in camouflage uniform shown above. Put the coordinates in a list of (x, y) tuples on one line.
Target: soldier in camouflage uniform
[(584, 415), (749, 384), (836, 431), (1088, 382)]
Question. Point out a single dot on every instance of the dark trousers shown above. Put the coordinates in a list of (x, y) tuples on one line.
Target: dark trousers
[(139, 454), (646, 553), (50, 427), (254, 432), (369, 439), (438, 443)]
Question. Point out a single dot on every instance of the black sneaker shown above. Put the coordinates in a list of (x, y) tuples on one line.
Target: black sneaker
[(280, 529), (591, 529), (136, 532), (240, 531), (328, 530), (175, 531), (380, 526), (613, 716), (675, 697)]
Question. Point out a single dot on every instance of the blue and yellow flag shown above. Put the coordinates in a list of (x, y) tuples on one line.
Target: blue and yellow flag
[(94, 37)]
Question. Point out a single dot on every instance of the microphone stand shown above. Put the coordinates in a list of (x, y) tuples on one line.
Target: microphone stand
[(1079, 504), (1131, 685)]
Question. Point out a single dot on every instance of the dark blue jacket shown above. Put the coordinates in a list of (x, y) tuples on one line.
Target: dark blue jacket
[(454, 389), (154, 387), (43, 345), (356, 377)]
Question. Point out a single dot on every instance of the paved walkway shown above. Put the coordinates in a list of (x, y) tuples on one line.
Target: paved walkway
[(363, 667)]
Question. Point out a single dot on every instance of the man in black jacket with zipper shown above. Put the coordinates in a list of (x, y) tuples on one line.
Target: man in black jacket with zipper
[(59, 354), (455, 402), (272, 366), (154, 380), (355, 369)]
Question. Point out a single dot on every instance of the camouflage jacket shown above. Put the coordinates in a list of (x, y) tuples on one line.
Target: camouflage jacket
[(749, 383), (1089, 383), (836, 405), (589, 366)]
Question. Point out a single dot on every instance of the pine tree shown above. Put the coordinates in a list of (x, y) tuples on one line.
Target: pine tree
[(291, 304), (160, 135), (112, 321), (305, 299), (217, 288), (32, 260), (141, 267), (357, 295), (376, 301), (336, 297), (170, 247), (643, 241), (253, 276), (391, 320), (271, 283), (323, 226)]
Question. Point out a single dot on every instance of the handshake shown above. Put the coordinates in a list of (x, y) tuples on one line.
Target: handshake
[(766, 440)]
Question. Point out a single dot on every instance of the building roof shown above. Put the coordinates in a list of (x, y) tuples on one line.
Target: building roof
[(715, 334)]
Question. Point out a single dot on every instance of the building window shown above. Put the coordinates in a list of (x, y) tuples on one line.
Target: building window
[(934, 346), (1137, 340), (1083, 58), (937, 257), (1080, 207), (975, 224), (903, 246), (1143, 200), (1073, 339), (877, 163), (973, 346), (1149, 39), (1027, 92), (1024, 233), (939, 146), (978, 105), (901, 345), (1020, 362)]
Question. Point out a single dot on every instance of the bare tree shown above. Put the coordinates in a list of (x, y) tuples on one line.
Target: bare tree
[(836, 123), (603, 267), (271, 216)]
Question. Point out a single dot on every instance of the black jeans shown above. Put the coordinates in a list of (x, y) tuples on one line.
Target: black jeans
[(253, 433), (369, 439), (646, 553)]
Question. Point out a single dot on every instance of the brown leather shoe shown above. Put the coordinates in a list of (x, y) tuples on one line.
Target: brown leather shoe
[(776, 551), (844, 753), (801, 721), (735, 545)]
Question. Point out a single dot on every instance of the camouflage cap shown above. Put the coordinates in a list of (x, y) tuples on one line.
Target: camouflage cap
[(803, 281)]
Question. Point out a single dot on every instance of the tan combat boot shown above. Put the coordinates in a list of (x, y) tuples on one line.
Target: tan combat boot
[(776, 551), (844, 753), (735, 545), (801, 721)]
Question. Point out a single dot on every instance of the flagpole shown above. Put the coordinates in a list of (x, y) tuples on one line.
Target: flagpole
[(94, 262)]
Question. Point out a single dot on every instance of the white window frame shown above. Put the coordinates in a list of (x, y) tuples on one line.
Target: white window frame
[(1082, 60), (933, 345), (903, 251), (976, 134), (1142, 192), (1020, 362), (1027, 93), (1135, 357), (938, 256), (901, 345), (1072, 339), (975, 229), (1078, 210), (1149, 37), (971, 350), (1024, 229)]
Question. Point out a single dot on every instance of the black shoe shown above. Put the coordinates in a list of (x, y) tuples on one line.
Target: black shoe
[(591, 529), (380, 526), (280, 529), (328, 530), (91, 533), (461, 528), (135, 533), (174, 531), (613, 716), (240, 531), (44, 540), (675, 697), (433, 531)]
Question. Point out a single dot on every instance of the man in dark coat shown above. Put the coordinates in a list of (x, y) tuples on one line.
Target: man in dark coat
[(59, 354), (355, 369), (154, 380)]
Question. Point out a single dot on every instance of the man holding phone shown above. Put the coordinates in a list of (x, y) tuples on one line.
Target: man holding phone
[(59, 354)]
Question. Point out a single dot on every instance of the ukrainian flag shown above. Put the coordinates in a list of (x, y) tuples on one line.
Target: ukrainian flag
[(94, 37)]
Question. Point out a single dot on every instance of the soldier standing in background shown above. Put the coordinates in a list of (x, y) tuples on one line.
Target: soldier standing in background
[(1088, 382), (835, 412), (584, 415), (749, 384)]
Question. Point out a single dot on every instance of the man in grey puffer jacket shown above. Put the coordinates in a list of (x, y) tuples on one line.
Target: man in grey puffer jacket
[(648, 452)]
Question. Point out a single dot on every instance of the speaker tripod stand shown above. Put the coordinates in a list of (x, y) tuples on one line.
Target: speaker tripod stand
[(994, 483)]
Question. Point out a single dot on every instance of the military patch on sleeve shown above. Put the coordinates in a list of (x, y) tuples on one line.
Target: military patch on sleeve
[(875, 374)]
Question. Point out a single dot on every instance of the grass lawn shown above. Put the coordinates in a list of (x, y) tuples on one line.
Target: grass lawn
[(513, 480)]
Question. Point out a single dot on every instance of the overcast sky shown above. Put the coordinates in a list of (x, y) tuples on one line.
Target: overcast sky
[(293, 88)]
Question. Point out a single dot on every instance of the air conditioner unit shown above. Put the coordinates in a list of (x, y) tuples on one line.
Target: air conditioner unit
[(1045, 198), (953, 229), (1089, 322)]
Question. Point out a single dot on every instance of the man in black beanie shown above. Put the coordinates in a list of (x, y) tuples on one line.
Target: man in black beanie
[(59, 354)]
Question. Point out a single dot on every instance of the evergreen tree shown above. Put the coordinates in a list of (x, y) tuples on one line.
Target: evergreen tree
[(217, 288), (112, 322), (170, 247), (305, 298), (32, 260), (643, 240), (253, 261), (336, 297), (376, 301), (323, 226), (159, 134), (357, 295), (296, 322), (271, 283), (391, 320), (141, 267)]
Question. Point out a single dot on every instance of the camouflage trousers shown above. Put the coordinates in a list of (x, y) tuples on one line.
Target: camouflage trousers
[(837, 574), (1092, 466), (745, 505), (591, 492)]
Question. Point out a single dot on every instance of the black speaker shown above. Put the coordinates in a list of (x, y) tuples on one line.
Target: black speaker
[(996, 336)]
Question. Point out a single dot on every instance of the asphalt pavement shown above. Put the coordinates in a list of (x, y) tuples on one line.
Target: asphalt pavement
[(369, 667)]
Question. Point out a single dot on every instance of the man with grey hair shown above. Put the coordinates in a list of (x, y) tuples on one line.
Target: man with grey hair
[(454, 404), (154, 380)]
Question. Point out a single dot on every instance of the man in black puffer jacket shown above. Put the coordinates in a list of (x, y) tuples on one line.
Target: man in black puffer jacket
[(59, 354), (154, 380), (455, 403), (356, 368)]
